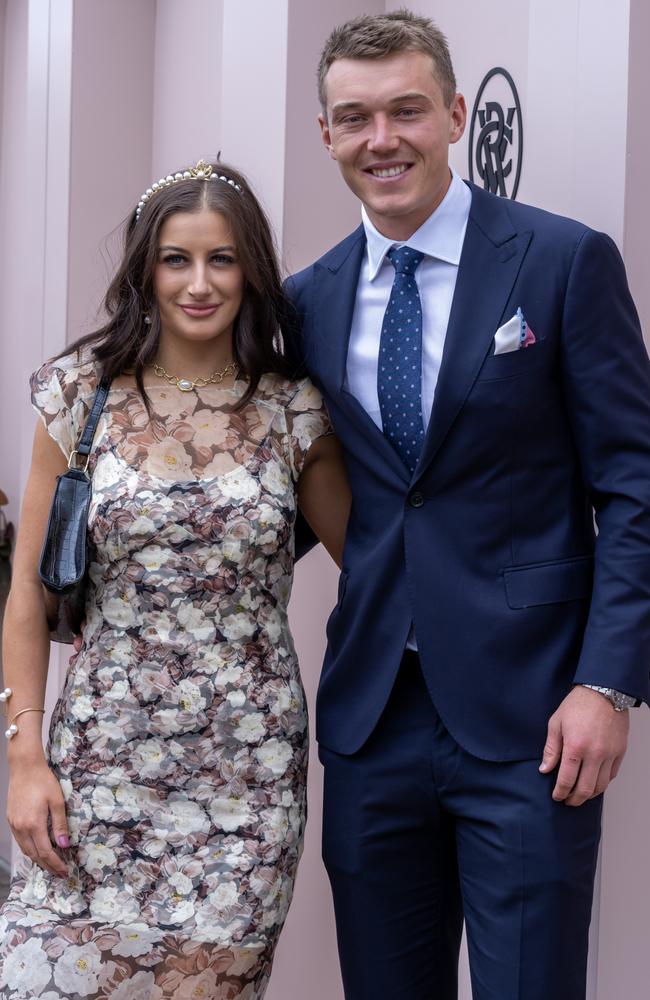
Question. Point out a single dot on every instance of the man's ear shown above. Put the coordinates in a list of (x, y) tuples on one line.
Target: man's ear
[(458, 118), (325, 135)]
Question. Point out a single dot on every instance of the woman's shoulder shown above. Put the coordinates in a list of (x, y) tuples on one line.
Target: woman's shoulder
[(289, 393), (62, 392), (65, 380)]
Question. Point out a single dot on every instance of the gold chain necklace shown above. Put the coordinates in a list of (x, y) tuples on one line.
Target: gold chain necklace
[(186, 384)]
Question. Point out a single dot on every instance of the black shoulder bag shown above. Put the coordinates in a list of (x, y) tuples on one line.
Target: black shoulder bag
[(63, 567)]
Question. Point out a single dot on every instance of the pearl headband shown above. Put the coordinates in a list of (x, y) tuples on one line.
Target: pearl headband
[(201, 172)]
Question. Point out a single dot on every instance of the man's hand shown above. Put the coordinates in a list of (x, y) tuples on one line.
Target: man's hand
[(588, 739)]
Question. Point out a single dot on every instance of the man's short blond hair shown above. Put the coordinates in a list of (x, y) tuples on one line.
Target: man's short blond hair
[(374, 36)]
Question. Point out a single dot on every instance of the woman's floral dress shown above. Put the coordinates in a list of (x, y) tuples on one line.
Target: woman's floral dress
[(180, 737)]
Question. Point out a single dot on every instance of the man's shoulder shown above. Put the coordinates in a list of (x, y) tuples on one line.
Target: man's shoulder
[(488, 209), (332, 259)]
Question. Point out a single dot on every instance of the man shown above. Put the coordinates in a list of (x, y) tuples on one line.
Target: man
[(485, 373)]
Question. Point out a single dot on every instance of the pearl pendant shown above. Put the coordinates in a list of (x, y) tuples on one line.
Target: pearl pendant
[(185, 385), (13, 729)]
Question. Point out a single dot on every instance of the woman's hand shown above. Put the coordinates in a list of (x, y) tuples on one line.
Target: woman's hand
[(34, 797), (34, 793)]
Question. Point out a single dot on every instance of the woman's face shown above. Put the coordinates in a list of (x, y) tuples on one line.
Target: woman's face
[(198, 281)]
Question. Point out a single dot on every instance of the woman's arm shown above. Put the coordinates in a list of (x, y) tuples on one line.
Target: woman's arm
[(34, 793), (324, 494)]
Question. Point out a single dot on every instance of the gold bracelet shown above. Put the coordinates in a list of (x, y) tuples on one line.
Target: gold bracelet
[(13, 728)]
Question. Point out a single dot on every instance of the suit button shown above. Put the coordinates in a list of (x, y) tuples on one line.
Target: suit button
[(416, 499)]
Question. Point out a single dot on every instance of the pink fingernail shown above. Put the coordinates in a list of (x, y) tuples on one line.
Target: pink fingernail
[(63, 840)]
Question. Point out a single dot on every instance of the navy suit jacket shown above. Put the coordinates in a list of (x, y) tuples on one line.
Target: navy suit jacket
[(490, 548)]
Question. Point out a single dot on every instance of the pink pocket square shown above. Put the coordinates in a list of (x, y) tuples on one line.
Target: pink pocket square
[(513, 335)]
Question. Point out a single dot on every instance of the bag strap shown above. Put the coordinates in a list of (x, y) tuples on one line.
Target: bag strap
[(88, 433)]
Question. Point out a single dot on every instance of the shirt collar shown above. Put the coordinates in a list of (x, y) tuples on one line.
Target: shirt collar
[(440, 236)]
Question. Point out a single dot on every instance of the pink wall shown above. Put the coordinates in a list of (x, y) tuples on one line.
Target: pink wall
[(637, 148), (3, 18), (187, 83), (16, 304), (97, 99), (110, 146), (253, 97)]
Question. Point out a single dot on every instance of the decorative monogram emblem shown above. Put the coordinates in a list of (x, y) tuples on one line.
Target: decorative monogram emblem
[(496, 135)]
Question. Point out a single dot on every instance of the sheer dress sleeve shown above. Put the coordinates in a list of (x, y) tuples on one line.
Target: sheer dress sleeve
[(61, 394), (307, 420)]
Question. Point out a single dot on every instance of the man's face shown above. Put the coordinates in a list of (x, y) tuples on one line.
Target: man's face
[(389, 130)]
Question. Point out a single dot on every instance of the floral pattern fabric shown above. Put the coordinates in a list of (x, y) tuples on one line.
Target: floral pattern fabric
[(180, 737)]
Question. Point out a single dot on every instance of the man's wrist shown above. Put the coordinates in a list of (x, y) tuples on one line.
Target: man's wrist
[(618, 699)]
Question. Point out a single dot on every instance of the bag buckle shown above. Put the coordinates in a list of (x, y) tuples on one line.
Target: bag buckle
[(72, 463)]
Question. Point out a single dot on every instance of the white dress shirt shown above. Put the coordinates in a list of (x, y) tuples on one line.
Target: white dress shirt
[(440, 239)]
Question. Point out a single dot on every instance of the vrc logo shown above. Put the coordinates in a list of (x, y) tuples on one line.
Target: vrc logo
[(496, 138)]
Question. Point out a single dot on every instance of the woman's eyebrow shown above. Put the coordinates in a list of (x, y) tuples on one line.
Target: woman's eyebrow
[(168, 246)]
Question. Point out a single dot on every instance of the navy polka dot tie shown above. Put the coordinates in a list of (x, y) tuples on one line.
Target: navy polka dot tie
[(399, 375)]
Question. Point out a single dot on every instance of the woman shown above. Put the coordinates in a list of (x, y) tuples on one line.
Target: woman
[(174, 784)]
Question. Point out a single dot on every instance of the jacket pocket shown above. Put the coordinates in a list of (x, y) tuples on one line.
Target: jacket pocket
[(511, 363), (549, 582)]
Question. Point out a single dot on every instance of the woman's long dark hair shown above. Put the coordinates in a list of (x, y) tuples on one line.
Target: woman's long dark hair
[(126, 343)]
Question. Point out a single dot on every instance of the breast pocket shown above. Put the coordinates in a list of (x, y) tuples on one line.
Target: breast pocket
[(512, 363)]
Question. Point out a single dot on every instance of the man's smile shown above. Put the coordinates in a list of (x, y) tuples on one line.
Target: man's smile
[(387, 171)]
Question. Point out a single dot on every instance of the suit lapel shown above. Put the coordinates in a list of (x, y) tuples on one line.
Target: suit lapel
[(492, 255), (336, 277)]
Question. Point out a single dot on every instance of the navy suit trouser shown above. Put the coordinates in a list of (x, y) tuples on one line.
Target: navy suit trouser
[(418, 832)]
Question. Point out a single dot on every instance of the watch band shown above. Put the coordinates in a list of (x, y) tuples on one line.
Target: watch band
[(619, 700)]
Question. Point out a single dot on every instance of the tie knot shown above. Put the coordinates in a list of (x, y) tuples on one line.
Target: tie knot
[(405, 260)]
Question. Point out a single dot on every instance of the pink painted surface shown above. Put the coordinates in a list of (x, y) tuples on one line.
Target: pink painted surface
[(253, 97), (15, 312), (187, 83), (127, 125), (110, 152), (636, 244)]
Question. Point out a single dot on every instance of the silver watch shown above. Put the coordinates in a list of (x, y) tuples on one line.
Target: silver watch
[(619, 700)]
